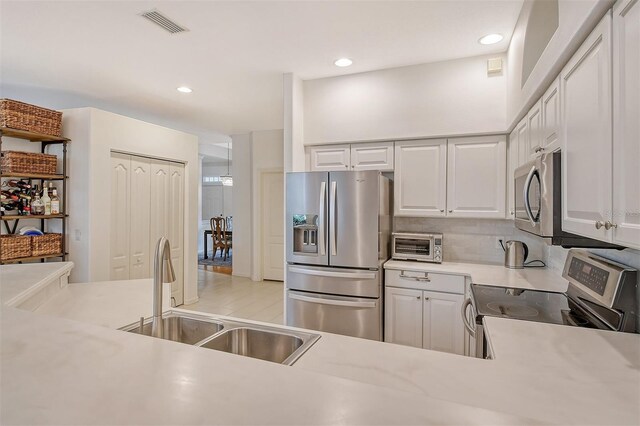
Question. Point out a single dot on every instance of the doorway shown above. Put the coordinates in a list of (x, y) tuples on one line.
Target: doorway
[(272, 214)]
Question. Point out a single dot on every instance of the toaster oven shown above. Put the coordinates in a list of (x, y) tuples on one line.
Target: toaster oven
[(417, 246)]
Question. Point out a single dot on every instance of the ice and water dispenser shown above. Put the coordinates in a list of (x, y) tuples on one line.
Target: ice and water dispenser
[(305, 233)]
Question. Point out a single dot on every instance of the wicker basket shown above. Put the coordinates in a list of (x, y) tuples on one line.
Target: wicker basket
[(43, 245), (28, 162), (23, 116), (14, 247)]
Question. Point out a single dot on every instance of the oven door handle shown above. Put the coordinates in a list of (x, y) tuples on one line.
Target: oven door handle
[(527, 204), (465, 320), (333, 302)]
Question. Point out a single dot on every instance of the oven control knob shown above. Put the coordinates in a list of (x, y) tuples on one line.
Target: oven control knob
[(437, 258)]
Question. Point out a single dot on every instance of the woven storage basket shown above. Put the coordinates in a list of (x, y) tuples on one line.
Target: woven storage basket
[(42, 245), (14, 246), (23, 116), (28, 162)]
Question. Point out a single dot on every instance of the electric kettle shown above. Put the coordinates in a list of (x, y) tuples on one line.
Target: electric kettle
[(515, 254)]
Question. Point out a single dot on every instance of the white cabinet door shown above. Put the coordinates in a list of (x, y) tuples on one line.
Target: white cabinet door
[(512, 165), (330, 158), (159, 206), (551, 118), (372, 156), (403, 316), (585, 85), (175, 232), (522, 130), (476, 181), (139, 234), (442, 322), (626, 123), (120, 213), (420, 187), (534, 123)]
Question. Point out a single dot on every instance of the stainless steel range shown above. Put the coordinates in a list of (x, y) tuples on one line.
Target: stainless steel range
[(602, 294)]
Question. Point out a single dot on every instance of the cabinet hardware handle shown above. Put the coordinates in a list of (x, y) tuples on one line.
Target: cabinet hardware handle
[(512, 212), (418, 297), (450, 211), (599, 224), (408, 277), (608, 225), (426, 298), (441, 210)]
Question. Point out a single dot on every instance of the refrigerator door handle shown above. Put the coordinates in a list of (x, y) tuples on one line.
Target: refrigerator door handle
[(321, 231), (323, 301), (332, 219), (365, 275)]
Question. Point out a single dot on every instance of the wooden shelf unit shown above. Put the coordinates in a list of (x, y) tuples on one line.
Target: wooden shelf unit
[(44, 141)]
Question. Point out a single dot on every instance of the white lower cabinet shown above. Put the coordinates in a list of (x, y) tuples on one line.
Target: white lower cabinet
[(421, 317)]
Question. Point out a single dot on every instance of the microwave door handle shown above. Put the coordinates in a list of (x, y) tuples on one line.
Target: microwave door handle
[(332, 219), (321, 219), (527, 205)]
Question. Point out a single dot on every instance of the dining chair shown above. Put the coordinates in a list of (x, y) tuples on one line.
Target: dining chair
[(220, 237)]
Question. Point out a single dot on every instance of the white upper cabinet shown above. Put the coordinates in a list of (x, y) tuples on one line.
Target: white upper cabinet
[(626, 123), (551, 118), (420, 187), (522, 130), (512, 164), (330, 158), (372, 156), (476, 180), (586, 136), (534, 124)]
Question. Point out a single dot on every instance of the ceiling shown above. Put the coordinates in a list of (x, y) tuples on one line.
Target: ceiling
[(233, 55)]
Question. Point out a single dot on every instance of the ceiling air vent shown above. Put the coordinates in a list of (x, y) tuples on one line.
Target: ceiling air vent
[(159, 19)]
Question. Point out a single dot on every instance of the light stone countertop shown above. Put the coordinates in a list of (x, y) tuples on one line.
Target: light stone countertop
[(19, 282), (497, 275), (58, 371)]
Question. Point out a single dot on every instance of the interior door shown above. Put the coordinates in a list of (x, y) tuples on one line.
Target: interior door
[(159, 205), (139, 231), (176, 228), (354, 208), (120, 214), (273, 226)]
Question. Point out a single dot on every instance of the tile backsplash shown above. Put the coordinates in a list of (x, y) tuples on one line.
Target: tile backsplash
[(472, 240)]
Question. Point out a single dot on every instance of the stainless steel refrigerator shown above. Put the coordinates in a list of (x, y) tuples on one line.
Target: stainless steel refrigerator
[(338, 227)]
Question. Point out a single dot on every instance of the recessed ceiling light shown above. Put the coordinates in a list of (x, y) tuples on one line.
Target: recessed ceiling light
[(343, 62), (184, 89), (490, 39)]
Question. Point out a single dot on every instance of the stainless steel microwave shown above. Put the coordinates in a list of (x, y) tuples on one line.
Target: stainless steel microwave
[(417, 246), (538, 203)]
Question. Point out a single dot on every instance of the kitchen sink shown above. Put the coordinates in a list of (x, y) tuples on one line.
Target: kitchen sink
[(255, 343), (181, 329), (272, 344)]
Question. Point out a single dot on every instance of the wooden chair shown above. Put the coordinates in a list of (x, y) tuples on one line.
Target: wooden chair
[(220, 238)]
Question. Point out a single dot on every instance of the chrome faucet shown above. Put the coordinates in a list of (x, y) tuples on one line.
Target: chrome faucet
[(162, 273)]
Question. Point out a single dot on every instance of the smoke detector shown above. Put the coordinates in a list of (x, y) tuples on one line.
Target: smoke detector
[(161, 20)]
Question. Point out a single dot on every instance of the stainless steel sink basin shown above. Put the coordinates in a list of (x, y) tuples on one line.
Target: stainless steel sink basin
[(181, 329), (255, 343), (251, 340)]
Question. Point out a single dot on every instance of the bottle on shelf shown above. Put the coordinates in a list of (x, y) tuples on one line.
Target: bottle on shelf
[(19, 184), (55, 202), (37, 206), (46, 201)]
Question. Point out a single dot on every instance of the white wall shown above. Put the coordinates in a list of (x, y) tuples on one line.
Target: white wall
[(267, 156), (95, 133), (242, 205), (444, 98), (253, 153), (294, 154), (575, 20)]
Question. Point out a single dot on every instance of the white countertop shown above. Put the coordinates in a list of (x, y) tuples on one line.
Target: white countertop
[(19, 282), (497, 275)]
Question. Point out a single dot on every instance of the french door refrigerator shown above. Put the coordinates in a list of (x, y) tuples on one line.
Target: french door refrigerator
[(338, 227)]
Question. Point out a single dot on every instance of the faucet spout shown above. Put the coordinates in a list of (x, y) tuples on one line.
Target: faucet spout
[(162, 273)]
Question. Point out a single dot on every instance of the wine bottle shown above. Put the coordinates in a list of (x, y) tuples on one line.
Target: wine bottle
[(19, 184), (55, 203), (46, 201)]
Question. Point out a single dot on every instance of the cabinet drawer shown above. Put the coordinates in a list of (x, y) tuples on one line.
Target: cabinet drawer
[(425, 281)]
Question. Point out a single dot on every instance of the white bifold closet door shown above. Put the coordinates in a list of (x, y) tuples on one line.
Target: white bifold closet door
[(147, 203)]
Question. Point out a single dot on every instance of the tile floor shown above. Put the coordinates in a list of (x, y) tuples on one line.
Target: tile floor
[(239, 297)]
